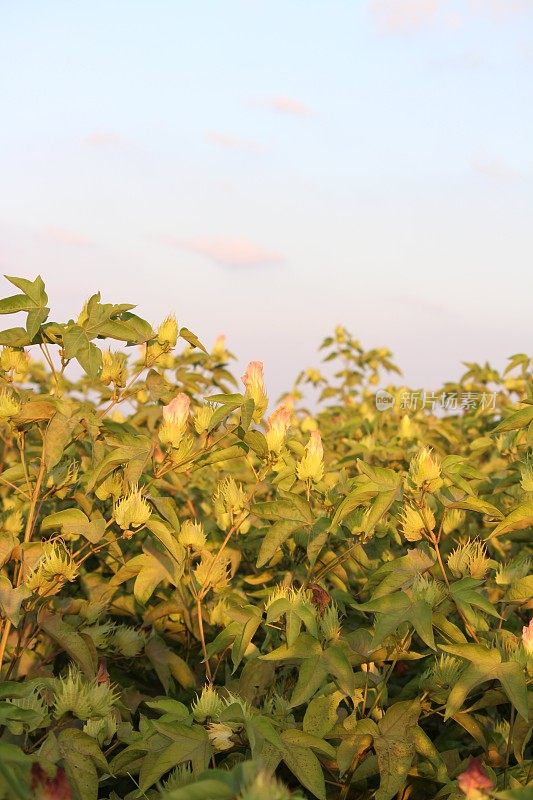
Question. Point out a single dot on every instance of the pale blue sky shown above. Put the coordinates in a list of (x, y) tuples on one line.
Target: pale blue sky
[(269, 168)]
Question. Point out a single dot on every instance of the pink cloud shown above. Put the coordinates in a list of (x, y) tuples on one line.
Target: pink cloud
[(500, 8), (404, 16), (495, 168), (104, 139), (288, 105), (66, 236), (233, 142), (230, 252)]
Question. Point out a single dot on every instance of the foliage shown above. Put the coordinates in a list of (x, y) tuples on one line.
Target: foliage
[(198, 604)]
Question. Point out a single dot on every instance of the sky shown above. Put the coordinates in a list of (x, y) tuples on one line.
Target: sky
[(269, 169)]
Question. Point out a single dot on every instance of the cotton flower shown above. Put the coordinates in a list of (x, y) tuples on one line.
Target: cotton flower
[(167, 333), (277, 427), (424, 471), (9, 404), (132, 511), (175, 418), (220, 736), (255, 388), (192, 535), (311, 466), (474, 781)]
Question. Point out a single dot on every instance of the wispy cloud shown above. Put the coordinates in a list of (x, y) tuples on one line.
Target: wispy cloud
[(501, 8), (104, 139), (65, 236), (229, 252), (495, 168), (233, 142), (404, 16), (283, 104)]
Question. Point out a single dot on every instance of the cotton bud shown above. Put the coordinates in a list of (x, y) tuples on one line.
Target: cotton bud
[(453, 521), (175, 419), (9, 404), (15, 362), (428, 590), (407, 429), (440, 679), (330, 624), (192, 535), (114, 369), (474, 782), (265, 787), (341, 334), (527, 637), (127, 641), (13, 523), (277, 427), (212, 572), (112, 486), (202, 418), (311, 466), (416, 522), (424, 471), (229, 501), (132, 510), (220, 736), (255, 388), (219, 348), (82, 697), (469, 559), (167, 333), (207, 706), (55, 568)]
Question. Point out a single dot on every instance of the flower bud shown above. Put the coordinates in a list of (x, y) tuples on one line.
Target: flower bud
[(14, 361), (277, 427), (229, 501), (416, 522), (202, 418), (167, 333), (192, 535), (424, 471), (132, 510), (311, 466), (255, 388), (114, 368), (212, 572), (175, 418), (219, 348), (207, 706), (453, 520), (9, 404)]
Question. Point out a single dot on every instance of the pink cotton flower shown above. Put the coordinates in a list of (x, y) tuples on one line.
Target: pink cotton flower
[(474, 782)]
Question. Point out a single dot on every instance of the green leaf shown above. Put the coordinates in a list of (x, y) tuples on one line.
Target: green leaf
[(33, 289), (321, 714), (186, 744), (81, 757), (395, 747), (80, 649), (520, 518), (192, 338), (275, 536), (305, 766), (515, 421)]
